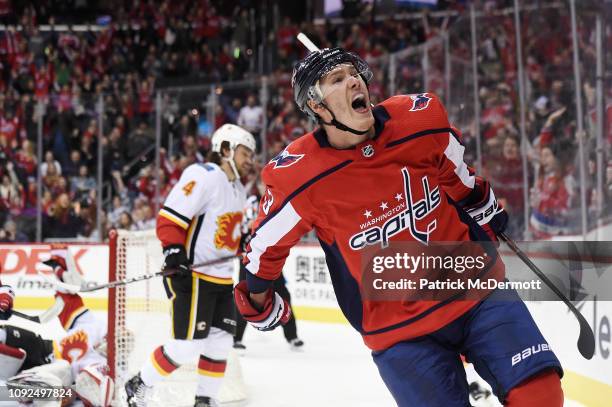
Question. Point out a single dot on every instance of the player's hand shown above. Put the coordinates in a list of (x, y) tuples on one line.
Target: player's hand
[(175, 258), (6, 302), (497, 224), (275, 309)]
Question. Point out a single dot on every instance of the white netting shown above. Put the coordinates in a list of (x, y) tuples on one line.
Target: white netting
[(140, 321)]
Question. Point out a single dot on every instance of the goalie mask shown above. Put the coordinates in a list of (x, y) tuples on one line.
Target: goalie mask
[(308, 72), (235, 136)]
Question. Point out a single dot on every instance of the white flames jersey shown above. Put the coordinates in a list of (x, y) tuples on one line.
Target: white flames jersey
[(209, 207)]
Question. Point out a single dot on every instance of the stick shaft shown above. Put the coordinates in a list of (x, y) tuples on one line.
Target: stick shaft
[(162, 273), (26, 316), (307, 42)]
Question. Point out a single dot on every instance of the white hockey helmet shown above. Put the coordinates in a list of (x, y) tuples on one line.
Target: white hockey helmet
[(234, 135)]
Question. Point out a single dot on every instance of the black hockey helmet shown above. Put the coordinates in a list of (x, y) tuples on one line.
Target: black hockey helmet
[(308, 71)]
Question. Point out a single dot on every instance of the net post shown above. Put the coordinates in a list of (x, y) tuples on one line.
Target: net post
[(112, 304)]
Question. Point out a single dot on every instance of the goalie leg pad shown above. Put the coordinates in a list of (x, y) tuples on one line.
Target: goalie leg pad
[(94, 386), (53, 375), (11, 360)]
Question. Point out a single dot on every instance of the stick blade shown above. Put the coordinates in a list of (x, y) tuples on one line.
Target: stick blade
[(586, 340)]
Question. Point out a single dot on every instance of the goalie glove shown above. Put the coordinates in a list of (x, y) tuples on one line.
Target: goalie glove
[(175, 258), (6, 302), (275, 309)]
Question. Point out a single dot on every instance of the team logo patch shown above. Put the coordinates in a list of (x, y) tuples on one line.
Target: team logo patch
[(74, 346), (415, 210), (285, 159), (227, 235), (419, 102), (367, 151)]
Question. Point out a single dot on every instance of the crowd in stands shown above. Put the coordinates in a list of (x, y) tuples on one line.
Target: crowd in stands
[(147, 45)]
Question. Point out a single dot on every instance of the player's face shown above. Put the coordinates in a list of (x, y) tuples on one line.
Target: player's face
[(243, 157), (346, 94)]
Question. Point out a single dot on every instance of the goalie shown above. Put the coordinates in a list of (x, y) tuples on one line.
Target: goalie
[(79, 357)]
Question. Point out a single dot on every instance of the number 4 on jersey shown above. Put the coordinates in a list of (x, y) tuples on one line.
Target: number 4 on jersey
[(188, 188)]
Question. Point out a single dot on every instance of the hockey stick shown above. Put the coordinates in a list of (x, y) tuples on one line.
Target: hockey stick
[(586, 339), (162, 273), (307, 43), (26, 316)]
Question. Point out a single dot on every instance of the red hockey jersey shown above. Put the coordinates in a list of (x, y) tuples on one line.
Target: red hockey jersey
[(413, 165)]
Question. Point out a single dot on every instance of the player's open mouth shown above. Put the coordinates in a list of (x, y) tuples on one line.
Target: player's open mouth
[(359, 103)]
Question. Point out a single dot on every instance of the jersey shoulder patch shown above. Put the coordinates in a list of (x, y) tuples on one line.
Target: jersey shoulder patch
[(297, 164), (208, 166), (411, 114)]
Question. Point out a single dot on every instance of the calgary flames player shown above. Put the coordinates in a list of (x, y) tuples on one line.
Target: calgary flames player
[(200, 221), (79, 357)]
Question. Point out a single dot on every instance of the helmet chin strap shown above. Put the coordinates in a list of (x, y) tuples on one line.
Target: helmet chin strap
[(338, 125), (232, 163)]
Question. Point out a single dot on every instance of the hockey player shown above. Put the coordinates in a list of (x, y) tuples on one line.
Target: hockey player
[(77, 358), (370, 176), (200, 221)]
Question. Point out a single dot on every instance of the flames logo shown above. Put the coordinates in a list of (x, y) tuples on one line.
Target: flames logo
[(74, 346), (228, 231)]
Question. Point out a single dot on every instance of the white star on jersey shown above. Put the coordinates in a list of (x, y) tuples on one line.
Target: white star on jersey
[(367, 213), (383, 206), (399, 197)]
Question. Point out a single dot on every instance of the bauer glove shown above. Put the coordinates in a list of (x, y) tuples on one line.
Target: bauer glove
[(274, 311), (175, 258), (485, 209), (6, 302)]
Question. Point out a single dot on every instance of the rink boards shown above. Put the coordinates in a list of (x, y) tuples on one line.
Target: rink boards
[(587, 382)]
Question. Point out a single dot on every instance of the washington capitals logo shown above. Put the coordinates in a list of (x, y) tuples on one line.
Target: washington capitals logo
[(416, 210), (419, 101), (285, 159)]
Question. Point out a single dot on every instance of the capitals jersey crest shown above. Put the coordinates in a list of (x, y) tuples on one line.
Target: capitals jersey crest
[(419, 102), (285, 159)]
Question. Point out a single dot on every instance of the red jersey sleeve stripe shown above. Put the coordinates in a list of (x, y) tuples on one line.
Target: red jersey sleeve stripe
[(175, 217)]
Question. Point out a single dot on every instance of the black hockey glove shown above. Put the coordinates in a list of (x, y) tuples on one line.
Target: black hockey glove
[(175, 258)]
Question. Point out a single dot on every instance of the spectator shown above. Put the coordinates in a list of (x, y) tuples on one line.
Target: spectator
[(550, 199), (251, 118), (62, 220), (505, 172), (139, 141), (125, 221), (50, 161), (71, 168), (82, 184), (10, 195), (11, 234)]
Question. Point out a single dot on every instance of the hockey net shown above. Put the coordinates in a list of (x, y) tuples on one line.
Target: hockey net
[(139, 321)]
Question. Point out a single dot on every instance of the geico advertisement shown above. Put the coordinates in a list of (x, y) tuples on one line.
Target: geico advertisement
[(19, 268)]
